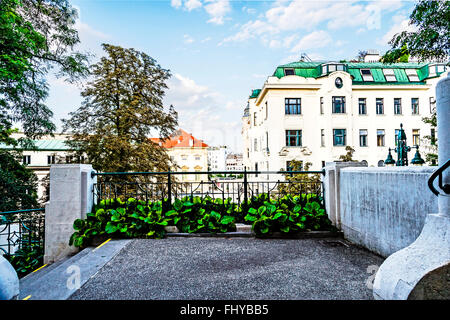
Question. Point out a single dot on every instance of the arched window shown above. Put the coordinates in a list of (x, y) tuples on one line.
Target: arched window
[(364, 162), (381, 163)]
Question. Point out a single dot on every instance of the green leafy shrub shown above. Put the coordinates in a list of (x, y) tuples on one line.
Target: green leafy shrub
[(203, 215), (132, 218), (289, 214), (26, 259)]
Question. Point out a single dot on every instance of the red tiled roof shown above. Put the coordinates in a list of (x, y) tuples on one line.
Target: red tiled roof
[(180, 139)]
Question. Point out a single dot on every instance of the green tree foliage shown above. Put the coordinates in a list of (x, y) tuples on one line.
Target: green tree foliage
[(298, 183), (431, 40), (122, 107), (18, 184), (35, 36), (431, 146), (348, 157)]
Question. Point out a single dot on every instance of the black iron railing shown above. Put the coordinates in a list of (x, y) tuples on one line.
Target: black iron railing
[(168, 186), (21, 229), (438, 174)]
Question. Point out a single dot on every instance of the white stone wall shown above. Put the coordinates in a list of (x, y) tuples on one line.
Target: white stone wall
[(384, 209)]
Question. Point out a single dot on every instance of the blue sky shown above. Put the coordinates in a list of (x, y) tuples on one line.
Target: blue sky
[(218, 50)]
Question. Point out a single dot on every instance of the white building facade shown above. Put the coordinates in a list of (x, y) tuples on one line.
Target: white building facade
[(310, 111), (234, 162), (217, 158)]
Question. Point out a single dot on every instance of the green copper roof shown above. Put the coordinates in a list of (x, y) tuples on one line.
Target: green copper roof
[(255, 93), (44, 145), (314, 70)]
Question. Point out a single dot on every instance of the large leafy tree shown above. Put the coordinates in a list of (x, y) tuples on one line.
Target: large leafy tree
[(431, 40), (122, 108), (35, 36)]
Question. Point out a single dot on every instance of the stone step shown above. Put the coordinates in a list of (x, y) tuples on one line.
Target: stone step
[(63, 278)]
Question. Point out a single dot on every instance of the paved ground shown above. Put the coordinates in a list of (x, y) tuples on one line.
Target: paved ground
[(233, 268)]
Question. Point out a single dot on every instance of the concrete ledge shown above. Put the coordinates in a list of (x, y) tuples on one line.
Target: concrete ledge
[(303, 235)]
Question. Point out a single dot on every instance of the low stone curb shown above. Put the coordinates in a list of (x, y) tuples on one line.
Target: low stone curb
[(275, 235)]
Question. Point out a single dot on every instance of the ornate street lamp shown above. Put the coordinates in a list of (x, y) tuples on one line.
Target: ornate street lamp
[(389, 160), (402, 152), (417, 160)]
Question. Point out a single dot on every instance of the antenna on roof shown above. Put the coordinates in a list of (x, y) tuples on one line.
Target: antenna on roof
[(304, 57)]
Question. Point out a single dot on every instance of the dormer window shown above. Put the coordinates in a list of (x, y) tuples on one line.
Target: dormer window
[(366, 75), (412, 75), (435, 69), (389, 75), (289, 72), (331, 67)]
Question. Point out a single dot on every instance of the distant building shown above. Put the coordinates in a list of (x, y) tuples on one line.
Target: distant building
[(372, 56), (189, 153), (217, 158), (234, 162)]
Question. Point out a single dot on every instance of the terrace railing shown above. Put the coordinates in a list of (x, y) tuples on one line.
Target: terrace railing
[(168, 186), (20, 229)]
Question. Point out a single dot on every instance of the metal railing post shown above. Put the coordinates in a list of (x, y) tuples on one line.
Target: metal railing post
[(245, 188)]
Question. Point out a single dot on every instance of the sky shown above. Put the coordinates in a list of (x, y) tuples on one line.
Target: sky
[(219, 50)]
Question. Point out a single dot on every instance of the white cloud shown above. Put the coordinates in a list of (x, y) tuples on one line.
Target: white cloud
[(217, 10), (192, 4), (176, 3), (207, 114), (401, 23), (188, 39), (298, 15), (316, 39)]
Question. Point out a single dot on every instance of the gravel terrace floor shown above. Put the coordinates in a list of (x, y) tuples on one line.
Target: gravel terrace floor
[(234, 268)]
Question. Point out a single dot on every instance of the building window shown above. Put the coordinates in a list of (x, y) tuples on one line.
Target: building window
[(433, 136), (381, 163), (183, 157), (366, 75), (363, 138), (26, 160), (323, 164), (364, 162), (255, 144), (397, 131), (362, 106), (412, 75), (197, 157), (254, 118), (432, 104), (338, 104), (322, 137), (51, 159), (389, 75), (397, 106), (293, 138), (321, 105), (267, 141), (267, 111), (415, 105), (289, 72), (339, 137), (292, 106), (415, 137), (380, 137), (379, 106)]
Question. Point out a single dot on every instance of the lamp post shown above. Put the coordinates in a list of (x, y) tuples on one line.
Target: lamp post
[(402, 152), (417, 160)]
